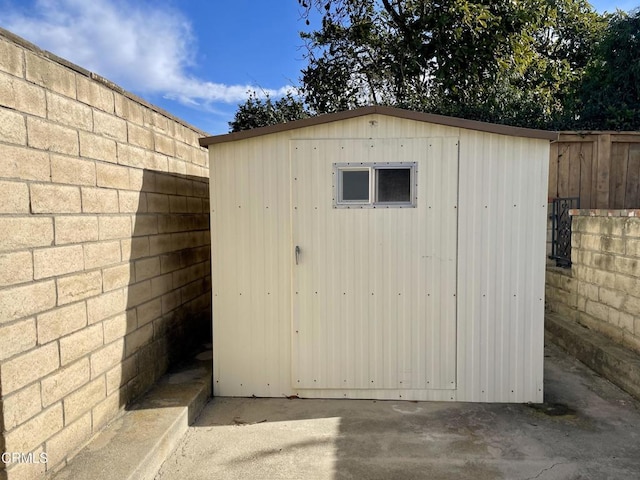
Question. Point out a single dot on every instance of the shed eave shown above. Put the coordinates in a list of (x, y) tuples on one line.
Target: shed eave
[(390, 111)]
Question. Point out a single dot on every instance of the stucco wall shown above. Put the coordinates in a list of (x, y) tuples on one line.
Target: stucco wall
[(104, 251), (602, 288)]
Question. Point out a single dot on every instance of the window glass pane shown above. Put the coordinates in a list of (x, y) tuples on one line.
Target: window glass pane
[(355, 185), (393, 185)]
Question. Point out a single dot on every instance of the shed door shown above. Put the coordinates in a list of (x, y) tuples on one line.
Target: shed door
[(374, 289)]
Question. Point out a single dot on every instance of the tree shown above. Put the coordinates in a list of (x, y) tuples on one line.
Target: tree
[(493, 60), (258, 112), (609, 97)]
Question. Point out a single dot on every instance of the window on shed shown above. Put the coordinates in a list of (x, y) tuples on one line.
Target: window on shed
[(374, 185)]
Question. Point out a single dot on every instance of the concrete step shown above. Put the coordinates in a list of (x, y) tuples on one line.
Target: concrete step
[(617, 364), (135, 445)]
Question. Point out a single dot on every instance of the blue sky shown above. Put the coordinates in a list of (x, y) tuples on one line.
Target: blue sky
[(195, 58)]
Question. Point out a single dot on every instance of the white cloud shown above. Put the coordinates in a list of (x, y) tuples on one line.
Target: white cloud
[(142, 46)]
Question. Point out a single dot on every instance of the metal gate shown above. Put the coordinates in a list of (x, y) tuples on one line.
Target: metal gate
[(561, 229)]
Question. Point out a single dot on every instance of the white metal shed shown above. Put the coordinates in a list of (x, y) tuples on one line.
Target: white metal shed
[(379, 253)]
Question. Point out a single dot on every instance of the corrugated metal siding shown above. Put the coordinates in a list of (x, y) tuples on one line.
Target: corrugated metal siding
[(374, 291), (499, 336), (500, 274)]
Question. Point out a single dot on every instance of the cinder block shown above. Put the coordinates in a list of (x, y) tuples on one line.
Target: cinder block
[(69, 440), (116, 277), (140, 136), (631, 305), (632, 227), (14, 197), (21, 406), (178, 204), (161, 285), (108, 409), (132, 202), (20, 371), (69, 112), (26, 300), (15, 268), (73, 171), (121, 374), (194, 205), (626, 322), (115, 227), (118, 326), (184, 187), (94, 94), (101, 254), (627, 266), (134, 156), (626, 284), (139, 180), (633, 247), (138, 293), (157, 122), (65, 381), (76, 229), (170, 301), (97, 147), (12, 127), (34, 432), (23, 163), (50, 198), (601, 277), (177, 166), (55, 261), (129, 109), (201, 188), (50, 75), (612, 245), (80, 343), (22, 96), (148, 312), (107, 357), (159, 244), (17, 338), (84, 399), (112, 176), (136, 247), (145, 225), (597, 310), (147, 268), (99, 200), (137, 339), (78, 287), (157, 203), (12, 58), (45, 135), (164, 183), (165, 145), (61, 321), (110, 126), (105, 306)]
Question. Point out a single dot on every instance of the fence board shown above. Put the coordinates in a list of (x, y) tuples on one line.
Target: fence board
[(632, 197), (619, 162), (602, 168), (604, 171), (586, 177)]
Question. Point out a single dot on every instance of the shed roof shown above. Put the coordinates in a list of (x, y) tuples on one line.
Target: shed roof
[(390, 111)]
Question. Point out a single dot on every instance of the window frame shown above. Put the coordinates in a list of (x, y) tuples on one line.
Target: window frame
[(373, 187)]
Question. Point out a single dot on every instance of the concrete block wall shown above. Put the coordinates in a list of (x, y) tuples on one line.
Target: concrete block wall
[(601, 290), (104, 252)]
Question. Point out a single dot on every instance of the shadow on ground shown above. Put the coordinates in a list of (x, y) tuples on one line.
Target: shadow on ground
[(587, 429)]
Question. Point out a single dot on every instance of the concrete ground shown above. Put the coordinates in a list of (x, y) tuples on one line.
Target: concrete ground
[(587, 429)]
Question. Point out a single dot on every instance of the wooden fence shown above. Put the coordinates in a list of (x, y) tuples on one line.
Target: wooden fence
[(603, 169)]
